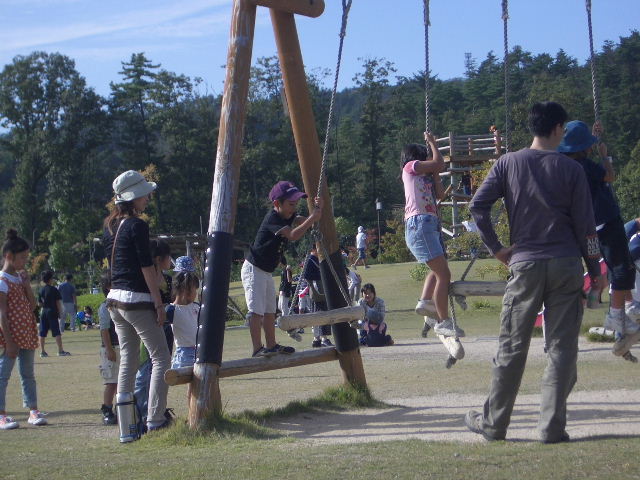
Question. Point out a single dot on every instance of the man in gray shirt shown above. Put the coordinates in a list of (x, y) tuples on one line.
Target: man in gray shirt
[(69, 301), (552, 227)]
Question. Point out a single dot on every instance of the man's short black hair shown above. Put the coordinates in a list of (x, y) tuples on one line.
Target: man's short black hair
[(68, 277), (46, 276), (545, 116)]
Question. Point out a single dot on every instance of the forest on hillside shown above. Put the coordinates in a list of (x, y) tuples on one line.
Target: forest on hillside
[(62, 144)]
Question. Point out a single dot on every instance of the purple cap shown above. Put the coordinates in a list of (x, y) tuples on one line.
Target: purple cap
[(284, 190)]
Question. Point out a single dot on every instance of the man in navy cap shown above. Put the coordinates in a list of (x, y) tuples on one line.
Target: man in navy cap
[(577, 143), (278, 227)]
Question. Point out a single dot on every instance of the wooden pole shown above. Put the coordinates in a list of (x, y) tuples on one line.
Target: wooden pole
[(308, 148), (204, 389)]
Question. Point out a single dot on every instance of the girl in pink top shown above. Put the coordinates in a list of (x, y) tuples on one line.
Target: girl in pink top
[(422, 189)]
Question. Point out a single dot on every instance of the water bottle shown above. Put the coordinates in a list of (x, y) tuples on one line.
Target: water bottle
[(126, 407), (593, 298)]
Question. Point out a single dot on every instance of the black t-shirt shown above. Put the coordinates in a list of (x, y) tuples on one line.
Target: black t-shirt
[(605, 207), (48, 297), (313, 269), (268, 247), (131, 254)]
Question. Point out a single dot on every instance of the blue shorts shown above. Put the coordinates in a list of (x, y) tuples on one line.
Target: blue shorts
[(183, 357), (422, 234), (362, 253)]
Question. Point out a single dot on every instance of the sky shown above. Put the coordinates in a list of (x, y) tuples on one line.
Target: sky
[(191, 36)]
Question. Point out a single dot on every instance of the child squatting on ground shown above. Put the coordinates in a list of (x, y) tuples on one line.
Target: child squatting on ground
[(18, 333), (422, 188), (373, 329), (278, 227)]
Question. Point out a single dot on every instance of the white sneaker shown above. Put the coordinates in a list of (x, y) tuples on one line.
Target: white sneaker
[(446, 328), (7, 423), (36, 417), (633, 311), (426, 308), (429, 323), (615, 322)]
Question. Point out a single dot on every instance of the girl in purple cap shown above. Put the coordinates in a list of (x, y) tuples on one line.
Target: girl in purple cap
[(184, 311), (278, 227)]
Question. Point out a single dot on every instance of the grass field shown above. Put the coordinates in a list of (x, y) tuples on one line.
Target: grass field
[(76, 445)]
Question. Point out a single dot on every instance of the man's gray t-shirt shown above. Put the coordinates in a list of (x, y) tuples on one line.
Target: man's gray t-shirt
[(548, 204), (67, 291)]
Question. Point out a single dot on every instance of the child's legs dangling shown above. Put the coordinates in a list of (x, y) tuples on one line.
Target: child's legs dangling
[(429, 286), (440, 271)]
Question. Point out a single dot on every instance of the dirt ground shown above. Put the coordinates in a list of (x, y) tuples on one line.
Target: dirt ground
[(591, 414)]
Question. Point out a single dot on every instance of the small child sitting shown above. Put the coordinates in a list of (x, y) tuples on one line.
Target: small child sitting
[(85, 318), (185, 313), (375, 330)]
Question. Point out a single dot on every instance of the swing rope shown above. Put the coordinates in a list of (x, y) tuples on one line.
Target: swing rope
[(315, 232), (505, 22), (427, 97), (592, 62)]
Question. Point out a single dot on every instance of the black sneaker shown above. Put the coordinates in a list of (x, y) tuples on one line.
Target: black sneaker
[(162, 426), (562, 439), (108, 417), (170, 415), (326, 343), (317, 343), (277, 348), (259, 352)]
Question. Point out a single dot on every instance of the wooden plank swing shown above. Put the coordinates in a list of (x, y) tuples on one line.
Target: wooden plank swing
[(203, 377)]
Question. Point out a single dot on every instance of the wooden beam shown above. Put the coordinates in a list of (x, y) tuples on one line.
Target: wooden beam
[(205, 393), (308, 8), (246, 366), (329, 317), (477, 289)]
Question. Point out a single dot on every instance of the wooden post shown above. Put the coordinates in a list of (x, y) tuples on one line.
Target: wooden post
[(308, 8), (308, 149), (204, 388)]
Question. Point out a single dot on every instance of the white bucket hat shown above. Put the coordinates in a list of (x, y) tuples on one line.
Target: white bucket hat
[(131, 185)]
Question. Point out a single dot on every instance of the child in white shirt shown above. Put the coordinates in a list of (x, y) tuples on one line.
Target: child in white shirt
[(185, 313)]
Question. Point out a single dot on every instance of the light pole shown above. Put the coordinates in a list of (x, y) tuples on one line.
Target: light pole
[(378, 208)]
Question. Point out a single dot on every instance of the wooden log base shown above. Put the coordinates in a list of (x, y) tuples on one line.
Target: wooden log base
[(301, 7), (329, 317), (477, 289), (245, 366)]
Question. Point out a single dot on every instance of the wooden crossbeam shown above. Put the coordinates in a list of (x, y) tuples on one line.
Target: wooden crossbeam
[(329, 317), (477, 289), (245, 366), (307, 8)]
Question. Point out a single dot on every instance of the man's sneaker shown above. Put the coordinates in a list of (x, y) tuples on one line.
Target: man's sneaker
[(36, 417), (295, 334), (473, 421), (277, 348), (429, 323), (426, 308), (614, 322), (561, 439), (162, 426), (62, 353), (326, 342), (317, 343), (108, 417), (446, 328), (44, 354), (633, 311), (7, 423)]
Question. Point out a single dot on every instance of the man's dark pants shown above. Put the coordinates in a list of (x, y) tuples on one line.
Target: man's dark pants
[(556, 283)]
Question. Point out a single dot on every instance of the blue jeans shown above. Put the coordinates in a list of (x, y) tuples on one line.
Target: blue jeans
[(141, 391), (27, 376)]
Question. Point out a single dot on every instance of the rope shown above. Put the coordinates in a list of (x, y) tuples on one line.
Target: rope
[(592, 61), (346, 6), (427, 98), (505, 21)]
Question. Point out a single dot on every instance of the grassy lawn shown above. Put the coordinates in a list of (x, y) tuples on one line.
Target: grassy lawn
[(76, 445)]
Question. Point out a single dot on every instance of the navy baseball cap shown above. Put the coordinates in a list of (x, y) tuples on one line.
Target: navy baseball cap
[(284, 190), (577, 137)]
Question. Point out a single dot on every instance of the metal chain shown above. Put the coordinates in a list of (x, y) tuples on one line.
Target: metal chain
[(427, 98), (346, 6), (505, 21), (453, 313), (592, 61)]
